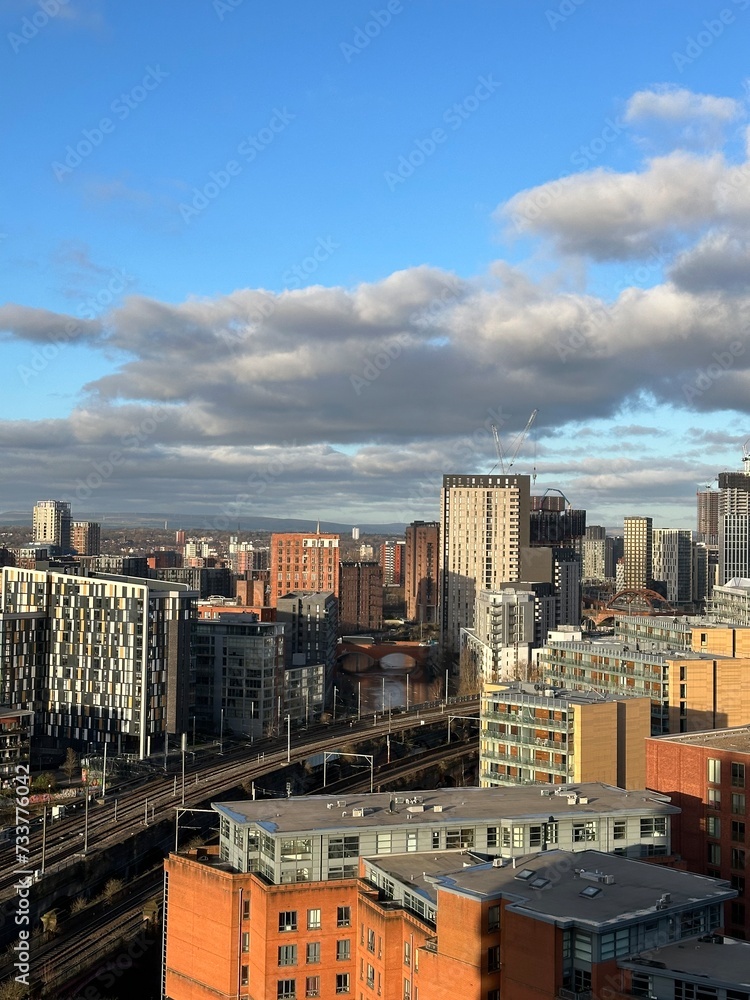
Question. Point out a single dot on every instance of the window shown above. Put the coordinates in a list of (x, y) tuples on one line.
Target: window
[(343, 847), (436, 840), (713, 854), (371, 976), (407, 953), (693, 991), (383, 843), (615, 943), (714, 798), (738, 775), (493, 995), (371, 941), (491, 837), (620, 829), (342, 982), (737, 913), (288, 920), (640, 985), (518, 837), (245, 909), (344, 916), (738, 803), (287, 954), (585, 831), (343, 950), (713, 826), (245, 942), (286, 989), (493, 918), (738, 857), (738, 883), (738, 831), (714, 771), (244, 975), (407, 989), (535, 836), (312, 986), (582, 946), (411, 840), (653, 826), (493, 958), (456, 839), (313, 920), (581, 981), (313, 952)]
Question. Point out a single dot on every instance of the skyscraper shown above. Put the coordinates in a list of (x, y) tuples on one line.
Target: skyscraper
[(421, 556), (673, 562), (51, 523), (484, 526), (303, 561), (638, 552), (708, 516), (734, 524)]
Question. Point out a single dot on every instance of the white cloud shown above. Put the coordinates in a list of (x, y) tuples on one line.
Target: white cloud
[(672, 104)]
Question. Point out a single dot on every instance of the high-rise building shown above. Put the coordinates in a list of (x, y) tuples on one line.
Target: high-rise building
[(701, 570), (392, 563), (51, 524), (673, 563), (734, 524), (499, 646), (311, 625), (638, 552), (238, 670), (303, 561), (360, 597), (484, 526), (86, 537), (116, 662), (421, 571), (708, 516)]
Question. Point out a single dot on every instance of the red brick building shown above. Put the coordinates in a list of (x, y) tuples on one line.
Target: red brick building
[(706, 775), (360, 597), (303, 561), (421, 570)]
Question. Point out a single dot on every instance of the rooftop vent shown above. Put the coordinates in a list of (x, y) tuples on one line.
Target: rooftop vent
[(358, 812), (596, 876), (437, 809)]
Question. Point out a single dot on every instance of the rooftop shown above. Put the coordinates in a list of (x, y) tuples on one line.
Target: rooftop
[(544, 693), (724, 960), (587, 887), (737, 739), (479, 805), (607, 646)]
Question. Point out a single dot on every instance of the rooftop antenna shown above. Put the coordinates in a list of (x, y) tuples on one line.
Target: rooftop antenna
[(746, 457)]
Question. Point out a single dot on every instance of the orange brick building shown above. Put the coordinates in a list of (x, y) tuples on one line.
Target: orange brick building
[(433, 925), (303, 561), (708, 776)]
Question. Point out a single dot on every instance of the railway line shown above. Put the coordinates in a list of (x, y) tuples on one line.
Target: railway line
[(155, 799)]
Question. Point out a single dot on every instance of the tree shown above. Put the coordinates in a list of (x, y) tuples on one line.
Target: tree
[(469, 680), (112, 888), (46, 781), (70, 764)]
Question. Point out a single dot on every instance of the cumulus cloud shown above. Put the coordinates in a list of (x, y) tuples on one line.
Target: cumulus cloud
[(673, 104)]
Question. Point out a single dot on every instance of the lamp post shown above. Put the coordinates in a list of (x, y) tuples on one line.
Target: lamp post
[(184, 748), (288, 738), (335, 693), (86, 817), (359, 701)]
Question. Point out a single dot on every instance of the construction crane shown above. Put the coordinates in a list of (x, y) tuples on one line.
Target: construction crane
[(516, 446), (554, 489)]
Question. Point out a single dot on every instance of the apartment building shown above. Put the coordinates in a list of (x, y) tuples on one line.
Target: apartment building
[(86, 537), (731, 601), (116, 660), (421, 571), (484, 526), (51, 524), (689, 690), (533, 734), (638, 552), (437, 924), (360, 597), (392, 562), (673, 563), (708, 776), (238, 674), (303, 561), (499, 646)]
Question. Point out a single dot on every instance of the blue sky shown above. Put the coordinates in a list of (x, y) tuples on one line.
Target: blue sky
[(317, 249)]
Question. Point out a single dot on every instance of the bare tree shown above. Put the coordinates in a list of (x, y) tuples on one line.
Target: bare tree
[(70, 764)]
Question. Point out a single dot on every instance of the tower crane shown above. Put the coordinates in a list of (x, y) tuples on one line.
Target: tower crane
[(505, 468)]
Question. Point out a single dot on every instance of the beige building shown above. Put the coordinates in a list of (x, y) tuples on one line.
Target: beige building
[(51, 523), (638, 552), (484, 526), (530, 733)]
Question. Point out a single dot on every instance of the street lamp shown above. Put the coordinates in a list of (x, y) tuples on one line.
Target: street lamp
[(335, 693), (288, 738)]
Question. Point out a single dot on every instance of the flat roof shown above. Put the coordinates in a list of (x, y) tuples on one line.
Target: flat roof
[(737, 738), (419, 872), (549, 886), (683, 624), (628, 650), (727, 962), (549, 695), (467, 805)]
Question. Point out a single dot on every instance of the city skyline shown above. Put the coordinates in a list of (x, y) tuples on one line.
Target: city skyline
[(296, 264)]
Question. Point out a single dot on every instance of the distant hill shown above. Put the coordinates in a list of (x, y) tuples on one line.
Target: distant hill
[(205, 522)]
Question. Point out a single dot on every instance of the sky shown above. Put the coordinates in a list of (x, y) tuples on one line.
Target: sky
[(294, 260)]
